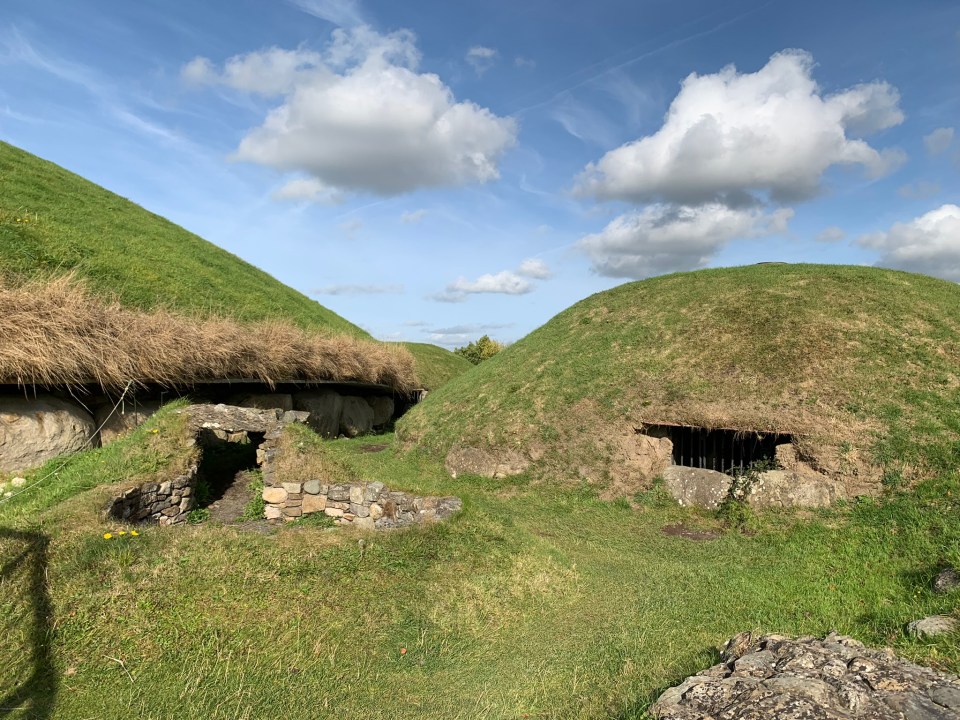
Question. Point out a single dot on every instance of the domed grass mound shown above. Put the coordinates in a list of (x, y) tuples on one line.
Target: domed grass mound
[(860, 366), (436, 366)]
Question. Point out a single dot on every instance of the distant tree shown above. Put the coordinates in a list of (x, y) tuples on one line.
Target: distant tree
[(482, 349)]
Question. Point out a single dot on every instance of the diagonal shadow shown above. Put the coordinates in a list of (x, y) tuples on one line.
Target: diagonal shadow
[(26, 572)]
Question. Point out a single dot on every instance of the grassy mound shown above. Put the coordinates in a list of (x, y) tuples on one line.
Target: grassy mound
[(436, 366), (861, 364), (53, 222)]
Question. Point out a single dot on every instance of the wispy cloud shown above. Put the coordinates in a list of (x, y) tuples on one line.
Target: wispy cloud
[(343, 13), (482, 58), (412, 217)]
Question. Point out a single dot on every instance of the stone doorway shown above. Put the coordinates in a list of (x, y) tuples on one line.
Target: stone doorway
[(225, 470), (718, 449)]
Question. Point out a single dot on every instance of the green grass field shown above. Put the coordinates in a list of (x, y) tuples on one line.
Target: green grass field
[(436, 366), (537, 601)]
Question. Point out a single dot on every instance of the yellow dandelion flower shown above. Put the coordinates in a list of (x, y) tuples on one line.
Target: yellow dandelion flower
[(122, 532), (107, 536), (134, 533)]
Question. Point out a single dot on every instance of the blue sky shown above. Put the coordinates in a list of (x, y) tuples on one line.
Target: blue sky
[(434, 171)]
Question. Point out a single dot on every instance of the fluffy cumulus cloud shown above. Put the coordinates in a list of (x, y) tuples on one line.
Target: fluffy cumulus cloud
[(737, 138), (928, 244), (665, 238), (505, 282), (361, 117), (939, 141)]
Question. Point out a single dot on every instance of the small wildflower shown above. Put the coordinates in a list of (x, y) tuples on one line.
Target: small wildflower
[(107, 536), (134, 533), (403, 651), (155, 431), (122, 532)]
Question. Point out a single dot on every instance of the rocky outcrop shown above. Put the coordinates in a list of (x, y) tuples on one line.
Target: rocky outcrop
[(486, 463), (114, 424), (836, 678), (34, 430), (932, 626)]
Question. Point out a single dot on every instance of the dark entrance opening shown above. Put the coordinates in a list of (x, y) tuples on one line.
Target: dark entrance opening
[(224, 457), (719, 449)]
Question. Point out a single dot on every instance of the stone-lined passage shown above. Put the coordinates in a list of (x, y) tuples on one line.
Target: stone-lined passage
[(366, 506)]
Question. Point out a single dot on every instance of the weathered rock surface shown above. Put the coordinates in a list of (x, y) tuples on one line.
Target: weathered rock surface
[(836, 678), (486, 463), (129, 415), (694, 487), (783, 488), (932, 626), (35, 430), (357, 416), (264, 401), (325, 408), (946, 581), (383, 408)]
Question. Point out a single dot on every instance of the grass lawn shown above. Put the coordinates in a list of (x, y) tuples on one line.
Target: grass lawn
[(537, 601)]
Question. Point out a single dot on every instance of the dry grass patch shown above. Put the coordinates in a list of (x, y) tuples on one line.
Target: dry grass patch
[(56, 332)]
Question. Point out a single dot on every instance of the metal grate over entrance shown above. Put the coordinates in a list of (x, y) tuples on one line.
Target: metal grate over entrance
[(721, 450)]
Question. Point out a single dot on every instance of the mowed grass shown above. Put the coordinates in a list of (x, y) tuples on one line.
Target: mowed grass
[(53, 222), (537, 601), (435, 365)]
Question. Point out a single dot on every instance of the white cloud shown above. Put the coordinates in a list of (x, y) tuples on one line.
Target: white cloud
[(505, 282), (664, 238), (359, 117), (358, 290), (534, 268), (524, 62), (919, 190), (345, 13), (412, 217), (309, 189), (831, 234), (928, 244), (481, 58), (939, 141), (269, 72), (741, 137)]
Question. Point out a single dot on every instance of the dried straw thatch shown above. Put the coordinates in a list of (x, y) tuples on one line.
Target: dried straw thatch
[(57, 333)]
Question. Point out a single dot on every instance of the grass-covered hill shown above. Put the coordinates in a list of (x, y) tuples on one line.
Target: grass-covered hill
[(862, 364), (53, 222), (435, 365)]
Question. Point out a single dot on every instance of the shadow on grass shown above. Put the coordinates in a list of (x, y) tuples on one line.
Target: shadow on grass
[(639, 708), (24, 580)]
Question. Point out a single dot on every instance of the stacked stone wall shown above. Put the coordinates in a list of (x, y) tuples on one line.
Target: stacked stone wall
[(166, 503)]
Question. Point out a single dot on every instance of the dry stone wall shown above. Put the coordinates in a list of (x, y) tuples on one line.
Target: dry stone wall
[(166, 503), (367, 506)]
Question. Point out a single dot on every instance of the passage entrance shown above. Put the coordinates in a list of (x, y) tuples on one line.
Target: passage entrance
[(719, 449)]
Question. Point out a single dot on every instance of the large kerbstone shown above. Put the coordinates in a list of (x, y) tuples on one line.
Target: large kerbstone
[(264, 401), (128, 416), (383, 408), (325, 408), (35, 430), (695, 487), (782, 488), (357, 417)]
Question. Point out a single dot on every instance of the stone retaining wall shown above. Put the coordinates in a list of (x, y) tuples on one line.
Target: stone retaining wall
[(363, 505), (167, 503)]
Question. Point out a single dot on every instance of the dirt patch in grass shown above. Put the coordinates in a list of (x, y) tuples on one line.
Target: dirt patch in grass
[(375, 448)]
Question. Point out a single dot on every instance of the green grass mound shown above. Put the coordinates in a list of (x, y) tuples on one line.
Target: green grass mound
[(862, 365), (436, 366), (53, 222)]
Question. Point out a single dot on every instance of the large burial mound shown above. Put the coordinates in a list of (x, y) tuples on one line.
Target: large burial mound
[(845, 377), (54, 222)]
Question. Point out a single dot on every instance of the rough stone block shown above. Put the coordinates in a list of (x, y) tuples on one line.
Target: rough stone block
[(376, 511), (312, 487), (349, 517), (165, 488), (338, 505), (356, 417), (294, 497), (314, 503), (292, 511), (272, 512), (359, 510), (325, 408), (339, 493), (356, 494), (274, 495), (364, 523), (372, 492), (171, 511), (292, 487), (333, 512)]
